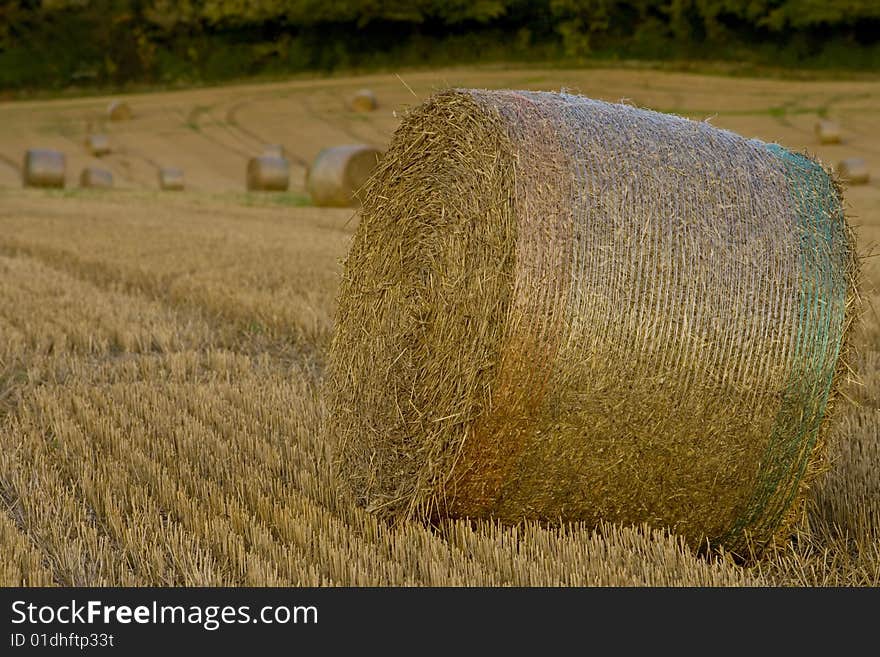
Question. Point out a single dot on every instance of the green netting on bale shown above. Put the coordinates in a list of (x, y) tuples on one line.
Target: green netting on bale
[(557, 308), (825, 286)]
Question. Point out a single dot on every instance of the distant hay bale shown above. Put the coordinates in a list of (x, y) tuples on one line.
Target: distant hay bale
[(171, 179), (556, 308), (854, 171), (119, 110), (98, 144), (339, 172), (95, 178), (828, 132), (363, 100), (274, 150), (43, 168), (268, 173)]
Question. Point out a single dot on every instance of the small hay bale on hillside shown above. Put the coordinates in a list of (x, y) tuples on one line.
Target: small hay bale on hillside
[(363, 100), (339, 172), (556, 308), (828, 132), (95, 178), (119, 110), (268, 173), (275, 150), (854, 171), (171, 179), (43, 168), (98, 144)]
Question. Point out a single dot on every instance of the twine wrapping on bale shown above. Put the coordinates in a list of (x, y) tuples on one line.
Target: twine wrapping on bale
[(268, 173), (119, 110), (98, 144), (43, 168), (363, 100), (828, 132), (556, 308), (854, 171), (339, 172), (171, 179), (95, 178)]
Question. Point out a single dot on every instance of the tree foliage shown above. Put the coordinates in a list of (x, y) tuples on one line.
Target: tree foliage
[(59, 41)]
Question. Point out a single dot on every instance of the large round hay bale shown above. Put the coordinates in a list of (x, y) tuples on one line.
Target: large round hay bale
[(119, 110), (268, 173), (95, 178), (854, 171), (364, 100), (98, 144), (556, 308), (43, 168), (828, 132), (171, 179), (339, 172)]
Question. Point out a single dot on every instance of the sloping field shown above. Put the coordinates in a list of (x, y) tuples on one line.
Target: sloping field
[(161, 355)]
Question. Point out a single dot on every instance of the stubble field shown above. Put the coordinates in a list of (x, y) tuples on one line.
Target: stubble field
[(161, 354)]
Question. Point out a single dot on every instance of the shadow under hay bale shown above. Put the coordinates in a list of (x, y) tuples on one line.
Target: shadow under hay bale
[(171, 179), (119, 110), (854, 171), (363, 100), (339, 172), (827, 132), (95, 178), (43, 168), (268, 173), (556, 308), (98, 144)]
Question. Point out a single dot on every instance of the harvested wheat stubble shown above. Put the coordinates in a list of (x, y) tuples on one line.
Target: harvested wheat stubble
[(98, 144), (171, 179), (95, 178), (119, 110), (339, 172), (854, 171), (556, 308), (364, 100), (43, 168), (268, 173), (828, 132)]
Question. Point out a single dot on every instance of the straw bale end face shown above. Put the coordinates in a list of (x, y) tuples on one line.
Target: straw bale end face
[(854, 171), (171, 179), (529, 328), (828, 132), (119, 110), (43, 168), (268, 173), (95, 178), (98, 144), (338, 174), (363, 100)]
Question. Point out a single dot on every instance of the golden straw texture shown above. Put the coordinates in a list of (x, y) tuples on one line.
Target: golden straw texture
[(556, 309)]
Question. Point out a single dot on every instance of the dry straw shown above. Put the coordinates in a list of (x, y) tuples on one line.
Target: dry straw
[(339, 172), (268, 173), (363, 100), (556, 308), (171, 179), (43, 168), (827, 132), (854, 171), (98, 144), (119, 110), (95, 178)]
